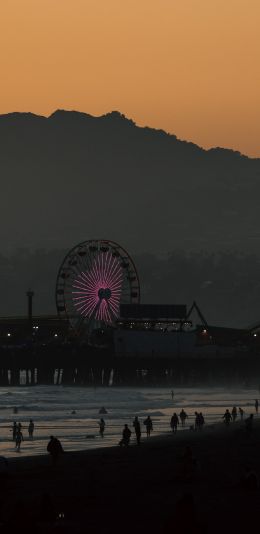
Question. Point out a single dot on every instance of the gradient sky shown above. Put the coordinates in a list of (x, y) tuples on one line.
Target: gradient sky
[(191, 67)]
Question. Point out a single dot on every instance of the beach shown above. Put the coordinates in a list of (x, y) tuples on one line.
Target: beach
[(150, 488)]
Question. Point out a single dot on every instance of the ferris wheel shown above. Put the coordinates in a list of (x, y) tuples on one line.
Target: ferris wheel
[(95, 277)]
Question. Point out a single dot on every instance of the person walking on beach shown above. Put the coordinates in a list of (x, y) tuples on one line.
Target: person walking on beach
[(234, 413), (55, 449), (149, 426), (241, 412), (14, 429), (18, 439), (227, 417), (31, 429), (201, 421), (174, 422), (183, 417), (102, 425), (137, 427), (126, 435), (256, 406)]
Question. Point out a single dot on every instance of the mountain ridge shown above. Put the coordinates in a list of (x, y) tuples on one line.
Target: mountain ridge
[(116, 116)]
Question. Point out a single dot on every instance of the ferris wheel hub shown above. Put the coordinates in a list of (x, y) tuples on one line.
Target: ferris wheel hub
[(104, 293)]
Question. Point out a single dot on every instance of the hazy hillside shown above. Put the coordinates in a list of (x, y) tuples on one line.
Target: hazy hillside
[(72, 176)]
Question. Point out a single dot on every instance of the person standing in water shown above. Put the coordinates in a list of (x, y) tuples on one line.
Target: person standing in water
[(256, 406)]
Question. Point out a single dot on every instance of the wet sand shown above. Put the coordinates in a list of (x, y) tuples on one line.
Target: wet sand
[(140, 489)]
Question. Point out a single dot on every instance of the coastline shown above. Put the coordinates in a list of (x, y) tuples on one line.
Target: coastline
[(141, 488)]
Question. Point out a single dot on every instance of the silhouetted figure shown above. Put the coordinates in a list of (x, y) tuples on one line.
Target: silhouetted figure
[(15, 409), (174, 422), (227, 417), (14, 430), (18, 439), (197, 421), (102, 425), (172, 394), (183, 417), (256, 406), (55, 449), (126, 435), (137, 427), (249, 423), (201, 421), (149, 425), (103, 411), (31, 429), (241, 412), (234, 413)]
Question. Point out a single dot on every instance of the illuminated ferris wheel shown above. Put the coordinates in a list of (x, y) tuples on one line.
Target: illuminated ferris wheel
[(95, 277)]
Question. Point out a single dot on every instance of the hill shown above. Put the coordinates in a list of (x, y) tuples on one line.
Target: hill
[(72, 176)]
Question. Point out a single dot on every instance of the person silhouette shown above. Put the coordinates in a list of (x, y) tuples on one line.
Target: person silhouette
[(55, 449), (227, 417), (102, 425), (18, 439), (31, 429), (137, 427), (174, 422), (149, 425), (126, 435)]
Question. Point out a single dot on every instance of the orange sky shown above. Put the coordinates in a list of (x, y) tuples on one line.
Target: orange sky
[(191, 67)]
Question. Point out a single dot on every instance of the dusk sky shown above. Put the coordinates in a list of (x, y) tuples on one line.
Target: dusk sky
[(191, 67)]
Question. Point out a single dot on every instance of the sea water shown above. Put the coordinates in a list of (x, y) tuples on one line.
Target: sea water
[(72, 413)]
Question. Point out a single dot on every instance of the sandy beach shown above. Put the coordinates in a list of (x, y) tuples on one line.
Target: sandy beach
[(149, 488)]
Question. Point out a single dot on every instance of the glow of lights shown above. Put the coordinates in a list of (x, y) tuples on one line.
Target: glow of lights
[(255, 335), (8, 335), (97, 292), (204, 331), (55, 335)]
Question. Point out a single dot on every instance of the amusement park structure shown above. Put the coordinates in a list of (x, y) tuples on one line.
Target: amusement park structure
[(103, 334)]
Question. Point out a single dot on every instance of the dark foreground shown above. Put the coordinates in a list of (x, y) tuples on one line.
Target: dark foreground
[(152, 488)]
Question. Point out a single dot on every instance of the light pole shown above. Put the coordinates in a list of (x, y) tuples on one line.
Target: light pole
[(30, 295)]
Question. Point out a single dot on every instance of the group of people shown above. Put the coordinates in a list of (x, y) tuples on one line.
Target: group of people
[(126, 434), (232, 416), (175, 420), (18, 435)]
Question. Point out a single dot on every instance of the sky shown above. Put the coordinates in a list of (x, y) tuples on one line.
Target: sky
[(190, 67)]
